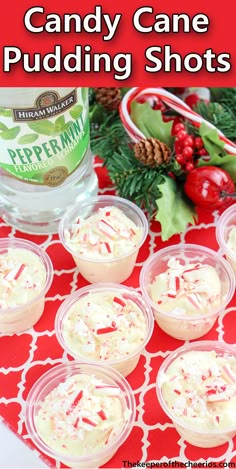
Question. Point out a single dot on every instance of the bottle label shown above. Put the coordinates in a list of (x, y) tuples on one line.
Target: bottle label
[(43, 144)]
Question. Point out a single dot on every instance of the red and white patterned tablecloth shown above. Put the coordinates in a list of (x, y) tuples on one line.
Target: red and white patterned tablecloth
[(26, 356)]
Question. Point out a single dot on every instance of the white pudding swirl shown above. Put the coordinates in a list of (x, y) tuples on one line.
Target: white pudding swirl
[(186, 290), (104, 326), (106, 234), (22, 277), (81, 415), (199, 388)]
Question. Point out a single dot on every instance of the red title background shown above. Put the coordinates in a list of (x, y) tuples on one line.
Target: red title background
[(220, 37)]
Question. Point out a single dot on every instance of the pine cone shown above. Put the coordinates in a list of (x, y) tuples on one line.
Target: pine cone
[(110, 98), (152, 152)]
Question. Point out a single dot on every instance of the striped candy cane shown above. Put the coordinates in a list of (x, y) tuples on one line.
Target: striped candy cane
[(148, 94)]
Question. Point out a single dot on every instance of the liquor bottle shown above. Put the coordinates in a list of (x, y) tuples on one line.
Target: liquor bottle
[(45, 160)]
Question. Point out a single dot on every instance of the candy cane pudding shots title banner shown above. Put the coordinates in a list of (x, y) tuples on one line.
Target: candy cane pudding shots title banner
[(113, 43)]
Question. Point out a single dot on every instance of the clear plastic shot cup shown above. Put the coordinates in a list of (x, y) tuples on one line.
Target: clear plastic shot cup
[(207, 421), (226, 235), (190, 319), (30, 296), (73, 450), (114, 335), (105, 269)]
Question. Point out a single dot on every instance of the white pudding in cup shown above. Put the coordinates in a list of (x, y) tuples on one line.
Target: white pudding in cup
[(105, 323), (26, 274), (196, 387), (104, 235), (187, 287)]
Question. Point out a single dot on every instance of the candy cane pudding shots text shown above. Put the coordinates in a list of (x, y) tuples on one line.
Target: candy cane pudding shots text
[(104, 235), (187, 287), (105, 323), (25, 277), (80, 413), (196, 387)]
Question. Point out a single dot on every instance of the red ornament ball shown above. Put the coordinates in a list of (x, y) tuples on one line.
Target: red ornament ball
[(207, 187)]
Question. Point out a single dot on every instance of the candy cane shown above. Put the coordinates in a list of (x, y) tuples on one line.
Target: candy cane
[(173, 102)]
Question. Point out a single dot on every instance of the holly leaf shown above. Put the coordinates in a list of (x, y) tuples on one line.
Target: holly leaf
[(216, 160), (211, 140), (150, 122), (175, 212), (227, 162), (230, 167)]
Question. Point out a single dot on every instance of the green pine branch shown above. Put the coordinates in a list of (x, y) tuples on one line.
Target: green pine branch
[(132, 179), (107, 132), (226, 97), (135, 181), (218, 115)]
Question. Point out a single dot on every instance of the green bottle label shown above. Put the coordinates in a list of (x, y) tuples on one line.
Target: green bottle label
[(45, 143)]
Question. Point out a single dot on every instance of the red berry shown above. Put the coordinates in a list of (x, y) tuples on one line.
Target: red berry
[(189, 166), (177, 128), (178, 147), (171, 175), (159, 106), (188, 152), (177, 120), (181, 135), (198, 142), (188, 141), (180, 159), (202, 152)]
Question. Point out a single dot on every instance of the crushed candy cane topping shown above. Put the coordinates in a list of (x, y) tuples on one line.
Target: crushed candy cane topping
[(186, 290), (107, 233), (81, 415), (199, 387), (104, 326), (22, 277)]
